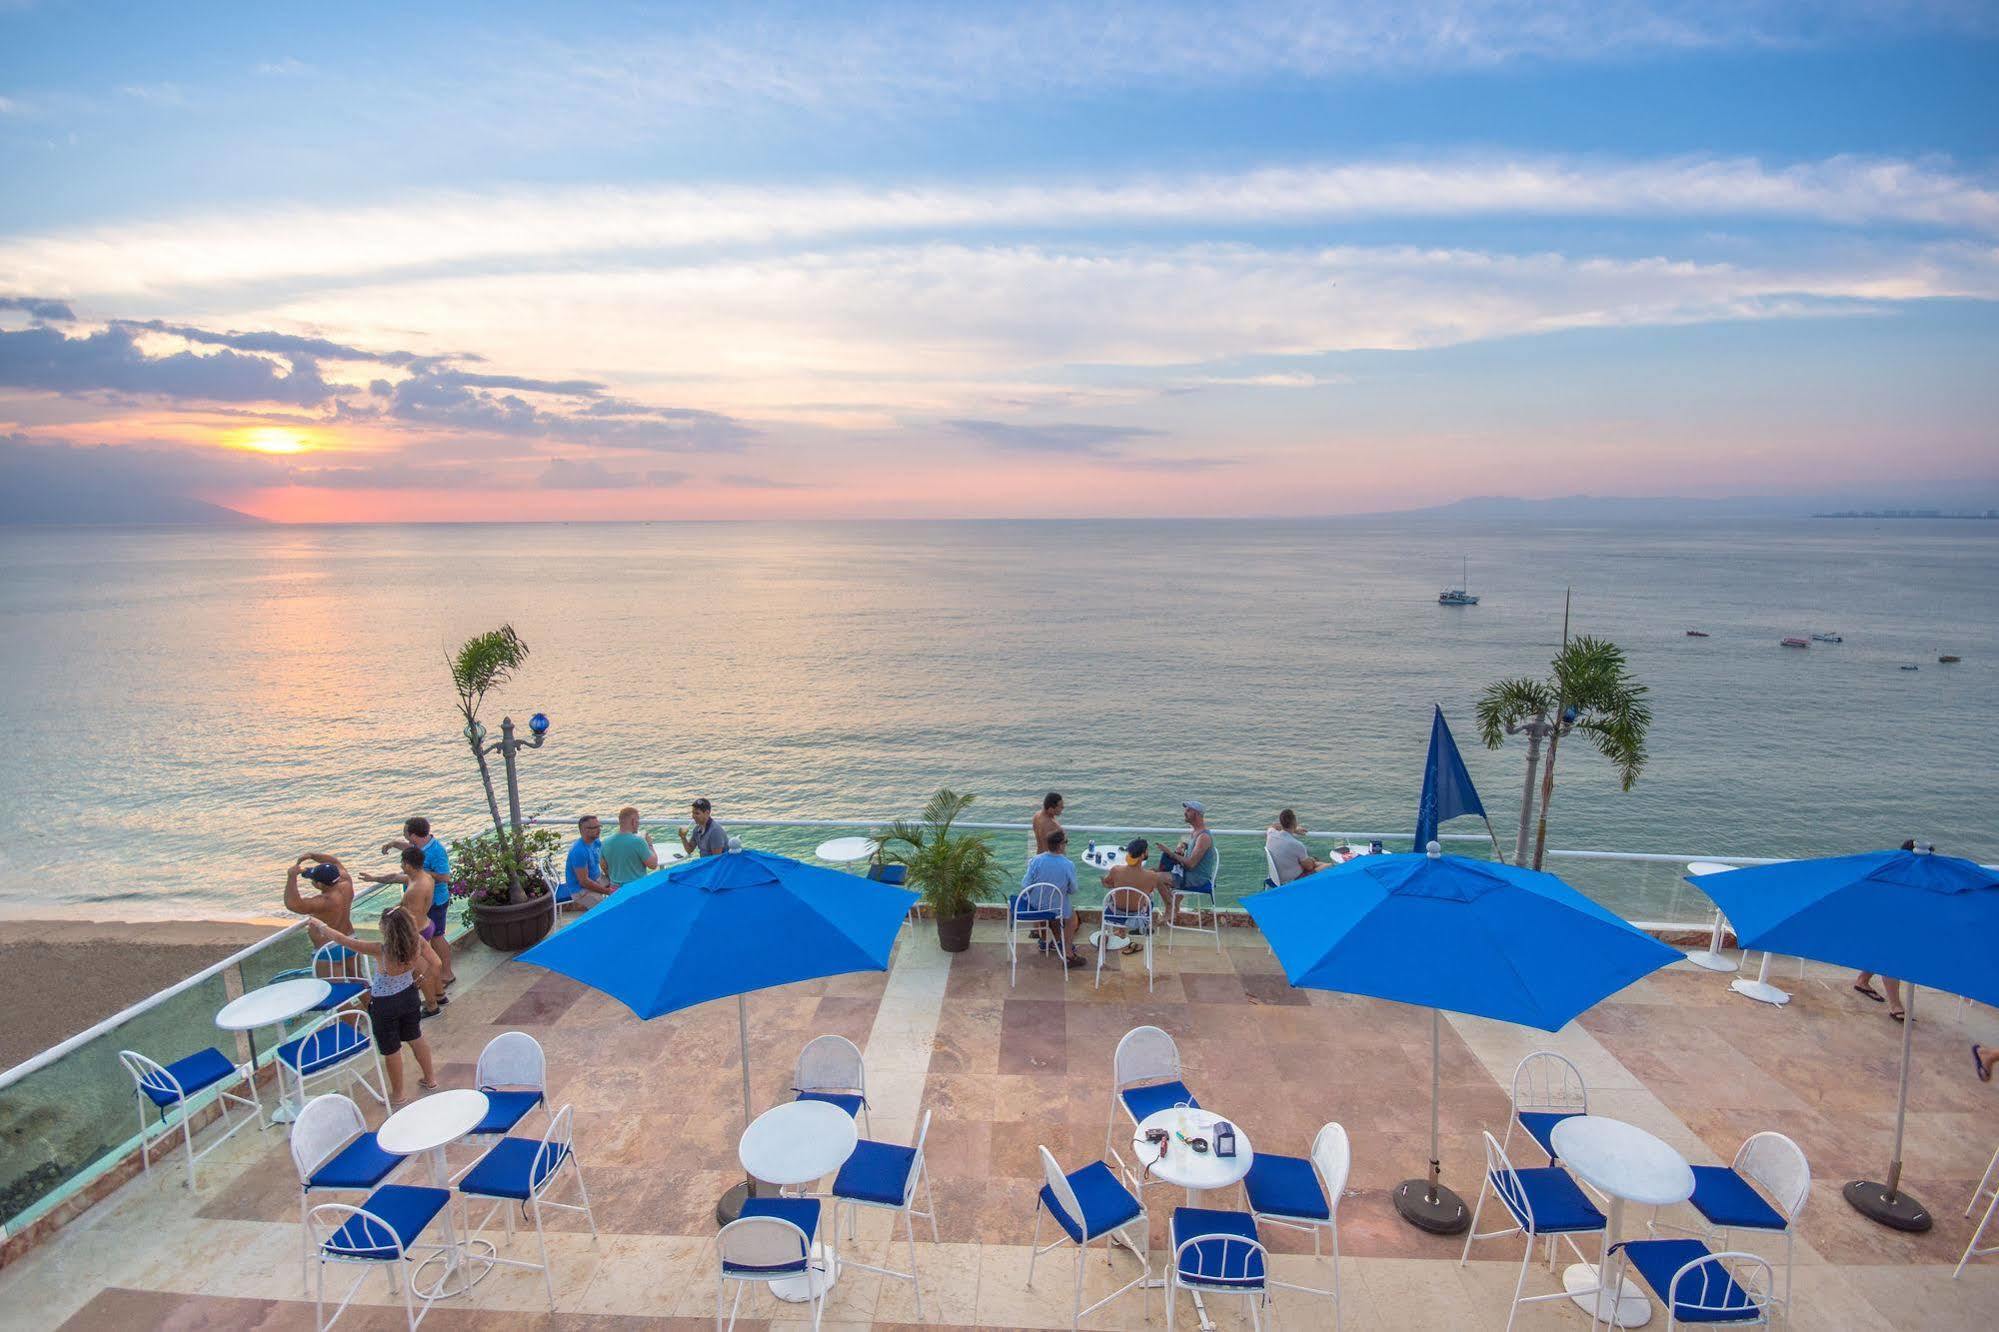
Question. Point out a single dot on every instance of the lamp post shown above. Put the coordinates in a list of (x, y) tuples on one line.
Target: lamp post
[(508, 746)]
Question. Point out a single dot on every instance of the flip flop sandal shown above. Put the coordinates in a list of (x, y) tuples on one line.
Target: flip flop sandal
[(1898, 1014), (427, 1086), (1978, 1063), (1870, 992), (432, 1012)]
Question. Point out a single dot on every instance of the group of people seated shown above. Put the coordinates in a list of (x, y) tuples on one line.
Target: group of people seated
[(597, 866), (1188, 866)]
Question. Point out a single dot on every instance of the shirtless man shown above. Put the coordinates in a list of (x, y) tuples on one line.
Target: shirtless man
[(1047, 819), (331, 903), (1134, 874), (418, 886)]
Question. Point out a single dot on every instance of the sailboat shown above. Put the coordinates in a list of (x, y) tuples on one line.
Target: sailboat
[(1457, 596)]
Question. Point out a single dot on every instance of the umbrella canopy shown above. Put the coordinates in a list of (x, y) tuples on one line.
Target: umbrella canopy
[(726, 925), (1447, 932), (1920, 917)]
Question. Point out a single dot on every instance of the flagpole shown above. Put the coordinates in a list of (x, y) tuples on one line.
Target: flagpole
[(1498, 854)]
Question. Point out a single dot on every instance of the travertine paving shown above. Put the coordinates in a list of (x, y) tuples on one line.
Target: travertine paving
[(1006, 1069)]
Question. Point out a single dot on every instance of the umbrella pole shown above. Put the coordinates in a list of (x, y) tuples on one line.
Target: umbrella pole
[(1425, 1203), (1886, 1203), (731, 1205)]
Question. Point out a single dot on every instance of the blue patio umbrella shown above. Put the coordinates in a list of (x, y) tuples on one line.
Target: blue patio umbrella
[(1922, 918), (727, 925), (1447, 932)]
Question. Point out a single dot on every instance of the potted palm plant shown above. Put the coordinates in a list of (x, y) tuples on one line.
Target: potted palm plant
[(952, 870), (507, 897)]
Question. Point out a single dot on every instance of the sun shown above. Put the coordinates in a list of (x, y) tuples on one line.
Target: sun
[(270, 439)]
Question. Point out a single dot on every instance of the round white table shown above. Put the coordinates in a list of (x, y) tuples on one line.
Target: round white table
[(427, 1125), (1710, 958), (268, 1007), (844, 850), (1103, 857), (800, 1142), (1335, 856), (1199, 1173), (1627, 1164)]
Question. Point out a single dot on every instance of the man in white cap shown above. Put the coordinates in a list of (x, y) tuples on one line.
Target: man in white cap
[(1192, 863)]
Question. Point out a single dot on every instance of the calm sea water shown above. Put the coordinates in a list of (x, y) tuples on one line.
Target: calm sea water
[(185, 710)]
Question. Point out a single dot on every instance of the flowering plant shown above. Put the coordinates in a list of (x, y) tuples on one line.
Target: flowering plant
[(484, 868)]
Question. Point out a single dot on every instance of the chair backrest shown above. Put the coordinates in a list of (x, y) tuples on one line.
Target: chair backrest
[(324, 1037), (916, 1166), (323, 1127), (1146, 1054), (1235, 1262), (1332, 1157), (761, 1247), (147, 1073), (1729, 1287), (513, 1059), (1058, 1188), (830, 1063), (555, 1144), (1127, 904), (1547, 1081), (1506, 1182), (375, 1239), (1270, 867), (1778, 1164), (341, 963), (1038, 897)]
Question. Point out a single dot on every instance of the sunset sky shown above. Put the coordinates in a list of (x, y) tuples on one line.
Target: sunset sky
[(451, 262)]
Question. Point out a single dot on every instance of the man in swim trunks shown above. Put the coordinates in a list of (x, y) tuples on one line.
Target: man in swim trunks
[(437, 861), (419, 886), (331, 903)]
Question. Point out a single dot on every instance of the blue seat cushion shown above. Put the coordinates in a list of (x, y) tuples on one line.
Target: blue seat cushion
[(361, 1164), (1540, 1125), (1286, 1186), (1709, 1295), (801, 1212), (339, 992), (1216, 1263), (890, 874), (1143, 1101), (504, 1171), (404, 1208), (1051, 913), (1106, 1203), (1558, 1202), (849, 1101), (504, 1109), (565, 891), (323, 1047), (1728, 1200), (877, 1172), (202, 1069)]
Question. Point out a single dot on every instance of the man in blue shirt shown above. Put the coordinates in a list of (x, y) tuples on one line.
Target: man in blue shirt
[(437, 864), (584, 872), (1054, 867)]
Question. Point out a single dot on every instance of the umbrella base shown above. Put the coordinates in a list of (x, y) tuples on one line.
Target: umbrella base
[(731, 1204), (1445, 1214), (1900, 1212)]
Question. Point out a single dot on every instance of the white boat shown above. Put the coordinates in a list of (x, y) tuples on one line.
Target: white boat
[(1457, 596), (1827, 638)]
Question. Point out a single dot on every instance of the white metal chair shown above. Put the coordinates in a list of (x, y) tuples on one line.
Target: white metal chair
[(1217, 1253), (168, 1088), (519, 1173), (513, 1072), (1270, 879), (345, 972), (1146, 1077), (334, 1152), (1986, 1188), (770, 1242), (1200, 893), (1543, 1202), (1547, 1089), (1698, 1286), (1304, 1194), (1036, 904), (380, 1233), (1088, 1205), (339, 1044), (1130, 910), (885, 1175), (1727, 1198), (830, 1069)]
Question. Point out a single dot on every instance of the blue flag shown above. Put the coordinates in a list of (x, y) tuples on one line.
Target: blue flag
[(1447, 788)]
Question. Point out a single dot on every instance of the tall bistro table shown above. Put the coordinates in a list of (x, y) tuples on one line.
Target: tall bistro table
[(1627, 1164), (268, 1007), (845, 850), (800, 1142), (427, 1125), (1199, 1173)]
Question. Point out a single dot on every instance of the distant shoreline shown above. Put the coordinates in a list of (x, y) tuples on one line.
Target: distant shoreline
[(1925, 514)]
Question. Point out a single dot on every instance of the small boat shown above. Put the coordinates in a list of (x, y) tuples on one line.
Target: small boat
[(1697, 633), (1912, 668), (1795, 642), (1827, 638), (1948, 659), (1457, 596)]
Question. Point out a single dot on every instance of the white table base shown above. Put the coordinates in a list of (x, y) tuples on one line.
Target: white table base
[(1710, 958), (823, 1269), (1631, 1307), (1760, 989), (458, 1257)]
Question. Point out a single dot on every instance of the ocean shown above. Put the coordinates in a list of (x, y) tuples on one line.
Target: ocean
[(186, 709)]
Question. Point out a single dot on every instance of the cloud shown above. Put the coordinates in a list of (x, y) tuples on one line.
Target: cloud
[(747, 481), (589, 474), (396, 475), (282, 68), (123, 477), (38, 307), (1074, 438), (45, 359)]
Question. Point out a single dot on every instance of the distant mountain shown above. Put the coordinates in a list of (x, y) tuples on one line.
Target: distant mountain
[(109, 509), (1655, 508)]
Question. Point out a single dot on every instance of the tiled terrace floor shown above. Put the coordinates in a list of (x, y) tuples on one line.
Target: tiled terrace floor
[(657, 1115)]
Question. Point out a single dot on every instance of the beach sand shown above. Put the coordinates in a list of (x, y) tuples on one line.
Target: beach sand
[(58, 977)]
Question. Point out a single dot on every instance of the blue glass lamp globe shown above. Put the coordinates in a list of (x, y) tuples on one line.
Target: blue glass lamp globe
[(539, 723), (1568, 714)]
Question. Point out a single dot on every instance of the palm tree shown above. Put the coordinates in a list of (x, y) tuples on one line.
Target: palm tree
[(483, 663), (1589, 691), (952, 870)]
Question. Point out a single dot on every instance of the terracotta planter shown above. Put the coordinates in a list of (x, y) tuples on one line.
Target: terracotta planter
[(954, 933), (512, 926)]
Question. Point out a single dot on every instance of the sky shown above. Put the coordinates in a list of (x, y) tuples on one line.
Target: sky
[(454, 262)]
